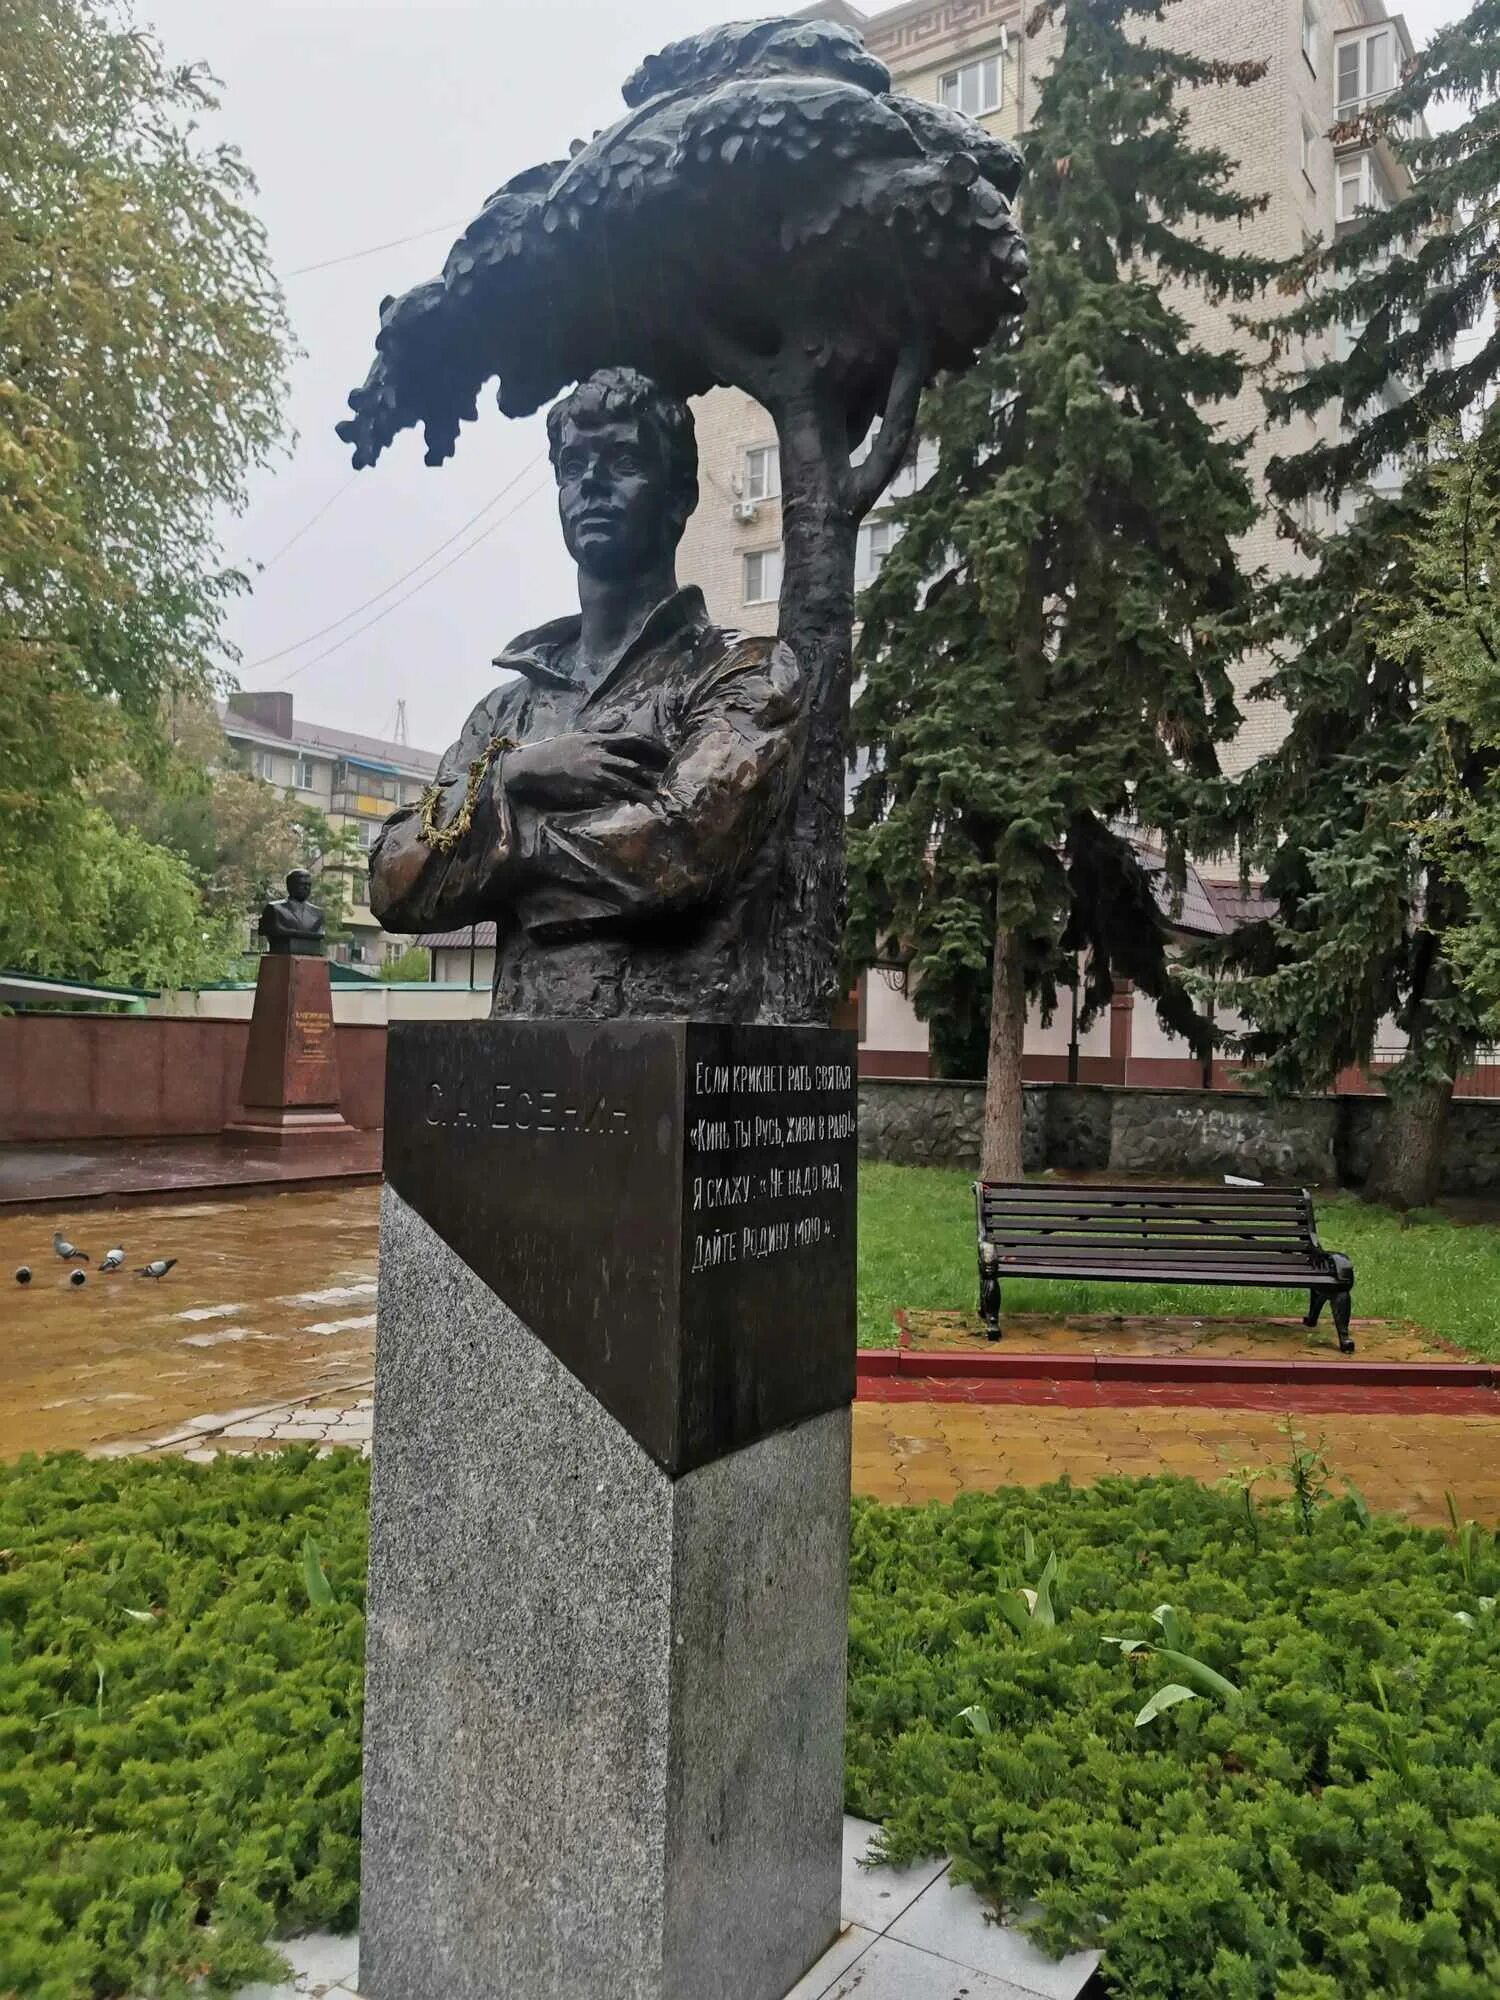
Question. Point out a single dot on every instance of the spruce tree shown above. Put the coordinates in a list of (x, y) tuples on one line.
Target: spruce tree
[(1347, 818), (1046, 651)]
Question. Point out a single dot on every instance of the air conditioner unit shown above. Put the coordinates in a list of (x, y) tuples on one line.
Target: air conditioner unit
[(745, 510)]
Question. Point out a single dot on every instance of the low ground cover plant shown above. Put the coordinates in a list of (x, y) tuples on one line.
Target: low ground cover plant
[(179, 1718), (916, 1251), (1248, 1747), (1252, 1751)]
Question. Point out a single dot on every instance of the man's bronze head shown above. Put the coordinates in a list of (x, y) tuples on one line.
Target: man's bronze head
[(626, 461), (299, 885)]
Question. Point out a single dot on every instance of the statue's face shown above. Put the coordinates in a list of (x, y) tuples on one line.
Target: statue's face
[(299, 885), (615, 500)]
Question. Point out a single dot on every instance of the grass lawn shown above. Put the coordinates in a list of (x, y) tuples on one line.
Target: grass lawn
[(1314, 1817), (916, 1249)]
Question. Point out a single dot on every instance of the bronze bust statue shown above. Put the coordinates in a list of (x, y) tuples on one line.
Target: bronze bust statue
[(615, 807), (296, 925)]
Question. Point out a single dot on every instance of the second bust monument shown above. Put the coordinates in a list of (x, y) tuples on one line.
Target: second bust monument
[(615, 807)]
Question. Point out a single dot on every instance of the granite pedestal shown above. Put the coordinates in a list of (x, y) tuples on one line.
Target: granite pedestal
[(609, 1535), (290, 1086)]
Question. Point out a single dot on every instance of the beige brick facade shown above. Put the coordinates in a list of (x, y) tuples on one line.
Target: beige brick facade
[(1260, 125)]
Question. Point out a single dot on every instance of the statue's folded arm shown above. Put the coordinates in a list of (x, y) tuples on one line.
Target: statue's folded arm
[(726, 784)]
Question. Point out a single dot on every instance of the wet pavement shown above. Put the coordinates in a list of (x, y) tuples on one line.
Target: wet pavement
[(1243, 1337), (263, 1335), (915, 1452), (272, 1300), (166, 1169)]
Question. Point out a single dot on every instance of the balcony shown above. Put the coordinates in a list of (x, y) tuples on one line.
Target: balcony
[(1367, 67), (352, 800)]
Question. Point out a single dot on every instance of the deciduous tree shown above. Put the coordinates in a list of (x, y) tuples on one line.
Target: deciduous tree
[(142, 351)]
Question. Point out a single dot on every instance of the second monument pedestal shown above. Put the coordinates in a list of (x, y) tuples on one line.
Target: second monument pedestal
[(290, 1086), (609, 1535)]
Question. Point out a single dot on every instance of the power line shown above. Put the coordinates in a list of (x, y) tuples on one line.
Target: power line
[(373, 250), (467, 549), (270, 659), (311, 522)]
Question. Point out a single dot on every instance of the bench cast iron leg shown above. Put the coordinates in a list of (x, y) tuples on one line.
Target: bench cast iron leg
[(989, 1303), (1341, 1304), (1315, 1303)]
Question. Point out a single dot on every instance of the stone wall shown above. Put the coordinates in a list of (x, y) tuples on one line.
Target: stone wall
[(126, 1076), (1167, 1134)]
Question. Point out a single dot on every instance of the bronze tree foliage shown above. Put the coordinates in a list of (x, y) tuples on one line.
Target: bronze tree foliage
[(767, 215)]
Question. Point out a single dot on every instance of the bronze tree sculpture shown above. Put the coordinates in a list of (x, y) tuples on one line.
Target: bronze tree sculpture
[(768, 215)]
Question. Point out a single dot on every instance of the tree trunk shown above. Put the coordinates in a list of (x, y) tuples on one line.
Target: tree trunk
[(1409, 1153), (819, 527), (823, 500), (1004, 1098)]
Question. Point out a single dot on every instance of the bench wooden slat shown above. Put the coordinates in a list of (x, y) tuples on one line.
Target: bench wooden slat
[(1285, 1218), (1039, 1219), (1162, 1227), (1035, 1191), (1097, 1261), (1169, 1274)]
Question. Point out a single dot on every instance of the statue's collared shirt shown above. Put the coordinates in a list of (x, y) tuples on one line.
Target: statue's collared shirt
[(635, 907)]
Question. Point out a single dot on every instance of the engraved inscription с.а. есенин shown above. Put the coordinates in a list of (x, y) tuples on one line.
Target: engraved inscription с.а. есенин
[(769, 1158), (504, 1106)]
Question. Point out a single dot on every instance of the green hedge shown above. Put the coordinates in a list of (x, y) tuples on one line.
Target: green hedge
[(179, 1722), (1331, 1834)]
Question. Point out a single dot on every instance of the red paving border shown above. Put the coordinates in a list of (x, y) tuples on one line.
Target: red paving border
[(1189, 1371), (1298, 1394)]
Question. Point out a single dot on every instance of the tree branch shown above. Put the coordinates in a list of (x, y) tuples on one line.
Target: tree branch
[(868, 481)]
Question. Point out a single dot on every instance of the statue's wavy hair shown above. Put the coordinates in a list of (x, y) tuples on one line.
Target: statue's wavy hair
[(667, 422)]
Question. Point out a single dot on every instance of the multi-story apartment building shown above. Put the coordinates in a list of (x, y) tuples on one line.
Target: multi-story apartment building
[(1326, 61), (355, 780)]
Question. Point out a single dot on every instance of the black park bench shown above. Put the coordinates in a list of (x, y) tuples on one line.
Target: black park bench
[(1264, 1237)]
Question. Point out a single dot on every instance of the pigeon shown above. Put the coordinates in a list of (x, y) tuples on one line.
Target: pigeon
[(65, 1249), (113, 1259), (77, 1278), (157, 1268), (23, 1274)]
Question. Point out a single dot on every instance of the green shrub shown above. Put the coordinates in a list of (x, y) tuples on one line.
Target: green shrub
[(180, 1708), (1332, 1832), (179, 1721)]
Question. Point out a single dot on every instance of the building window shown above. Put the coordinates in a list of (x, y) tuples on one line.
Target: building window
[(1309, 140), (302, 774), (1362, 188), (369, 833), (762, 480), (974, 89), (876, 540), (361, 890), (1364, 70), (914, 474), (1310, 35), (265, 766), (763, 576)]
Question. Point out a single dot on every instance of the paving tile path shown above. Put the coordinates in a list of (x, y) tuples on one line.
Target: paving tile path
[(908, 1934), (264, 1335), (271, 1300), (1232, 1335)]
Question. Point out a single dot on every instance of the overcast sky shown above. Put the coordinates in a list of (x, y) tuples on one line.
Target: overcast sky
[(367, 121)]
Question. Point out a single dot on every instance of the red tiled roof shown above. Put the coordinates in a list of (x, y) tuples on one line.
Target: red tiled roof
[(1236, 903)]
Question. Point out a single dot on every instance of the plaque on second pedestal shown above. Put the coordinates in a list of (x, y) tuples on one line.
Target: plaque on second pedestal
[(669, 1206)]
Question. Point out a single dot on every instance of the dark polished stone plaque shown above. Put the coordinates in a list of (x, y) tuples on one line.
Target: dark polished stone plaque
[(669, 1206)]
